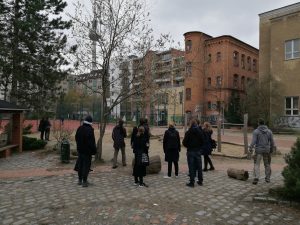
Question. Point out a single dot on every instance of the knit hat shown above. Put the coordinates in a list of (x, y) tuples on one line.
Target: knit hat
[(88, 120)]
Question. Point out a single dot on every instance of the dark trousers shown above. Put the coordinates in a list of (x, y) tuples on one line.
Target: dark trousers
[(84, 165), (207, 161), (138, 179), (195, 164), (170, 168), (42, 134)]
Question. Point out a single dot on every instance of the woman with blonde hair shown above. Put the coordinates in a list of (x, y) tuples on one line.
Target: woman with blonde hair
[(207, 147)]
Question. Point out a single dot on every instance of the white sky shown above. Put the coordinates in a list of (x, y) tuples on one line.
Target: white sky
[(238, 18)]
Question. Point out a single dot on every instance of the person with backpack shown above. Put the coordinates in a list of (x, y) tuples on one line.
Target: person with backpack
[(207, 146), (171, 147), (118, 136), (193, 141), (263, 143)]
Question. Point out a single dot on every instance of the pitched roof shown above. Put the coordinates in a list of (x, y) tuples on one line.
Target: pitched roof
[(7, 106)]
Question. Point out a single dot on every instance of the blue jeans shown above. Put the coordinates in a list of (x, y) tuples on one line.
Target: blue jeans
[(195, 164)]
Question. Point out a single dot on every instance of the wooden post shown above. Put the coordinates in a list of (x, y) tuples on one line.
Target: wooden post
[(219, 133), (245, 131)]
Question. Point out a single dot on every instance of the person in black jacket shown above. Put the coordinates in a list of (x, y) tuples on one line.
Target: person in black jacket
[(140, 146), (144, 124), (42, 127), (118, 135), (47, 126), (171, 146), (207, 147), (193, 141), (86, 147)]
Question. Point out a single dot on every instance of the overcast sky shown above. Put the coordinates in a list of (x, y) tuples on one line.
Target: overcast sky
[(238, 18)]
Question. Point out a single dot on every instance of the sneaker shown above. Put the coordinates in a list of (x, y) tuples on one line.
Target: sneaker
[(114, 167), (143, 185), (176, 176), (190, 184), (255, 181), (205, 170), (125, 164), (85, 184), (79, 182), (211, 168), (167, 177), (199, 183), (136, 183), (267, 180)]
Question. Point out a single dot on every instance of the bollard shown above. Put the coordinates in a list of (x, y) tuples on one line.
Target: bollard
[(65, 151)]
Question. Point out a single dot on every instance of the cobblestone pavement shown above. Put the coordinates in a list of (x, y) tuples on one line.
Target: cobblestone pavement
[(36, 189)]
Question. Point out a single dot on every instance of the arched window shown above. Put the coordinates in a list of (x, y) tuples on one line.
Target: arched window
[(209, 82), (249, 63), (254, 65), (218, 57), (188, 46), (188, 69), (219, 81), (235, 81), (235, 58), (243, 82), (243, 61), (188, 94)]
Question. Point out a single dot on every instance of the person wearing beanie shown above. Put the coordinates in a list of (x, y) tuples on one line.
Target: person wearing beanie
[(118, 136), (86, 147)]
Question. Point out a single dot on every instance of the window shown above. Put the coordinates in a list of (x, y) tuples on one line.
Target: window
[(243, 82), (292, 49), (235, 81), (235, 58), (180, 97), (188, 94), (188, 46), (209, 58), (254, 65), (188, 69), (292, 106), (249, 63), (209, 105), (218, 57), (219, 81), (243, 61), (209, 82)]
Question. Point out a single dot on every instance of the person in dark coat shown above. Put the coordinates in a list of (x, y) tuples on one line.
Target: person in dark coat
[(171, 146), (47, 126), (86, 147), (42, 128), (118, 135), (207, 146), (143, 123), (140, 146), (193, 141)]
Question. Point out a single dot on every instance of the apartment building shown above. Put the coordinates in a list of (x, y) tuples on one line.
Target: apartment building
[(216, 69), (279, 61)]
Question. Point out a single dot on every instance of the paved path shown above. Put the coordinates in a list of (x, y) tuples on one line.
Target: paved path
[(112, 199)]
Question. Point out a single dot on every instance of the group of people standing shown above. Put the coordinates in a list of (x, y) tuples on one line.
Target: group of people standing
[(44, 128), (198, 141)]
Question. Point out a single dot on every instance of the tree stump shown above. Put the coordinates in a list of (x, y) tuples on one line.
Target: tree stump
[(238, 174), (154, 165)]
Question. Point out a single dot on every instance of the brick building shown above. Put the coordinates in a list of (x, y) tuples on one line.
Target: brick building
[(279, 59), (216, 69)]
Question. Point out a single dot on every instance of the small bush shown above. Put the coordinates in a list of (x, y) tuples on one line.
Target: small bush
[(291, 173), (33, 143), (27, 129)]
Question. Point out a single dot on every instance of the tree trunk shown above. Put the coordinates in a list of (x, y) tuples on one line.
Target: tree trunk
[(238, 174), (154, 166)]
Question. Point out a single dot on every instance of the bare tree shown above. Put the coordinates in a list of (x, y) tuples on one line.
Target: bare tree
[(106, 34)]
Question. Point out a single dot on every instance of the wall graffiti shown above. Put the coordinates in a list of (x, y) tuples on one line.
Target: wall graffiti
[(288, 121)]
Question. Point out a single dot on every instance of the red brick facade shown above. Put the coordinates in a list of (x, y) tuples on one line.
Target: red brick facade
[(215, 67)]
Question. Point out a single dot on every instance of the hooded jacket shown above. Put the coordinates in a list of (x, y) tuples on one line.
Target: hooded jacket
[(193, 139), (262, 140)]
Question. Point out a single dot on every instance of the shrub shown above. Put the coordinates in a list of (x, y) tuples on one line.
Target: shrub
[(27, 129), (291, 173), (33, 143)]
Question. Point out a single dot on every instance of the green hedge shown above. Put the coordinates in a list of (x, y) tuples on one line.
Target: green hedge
[(30, 143), (291, 173)]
